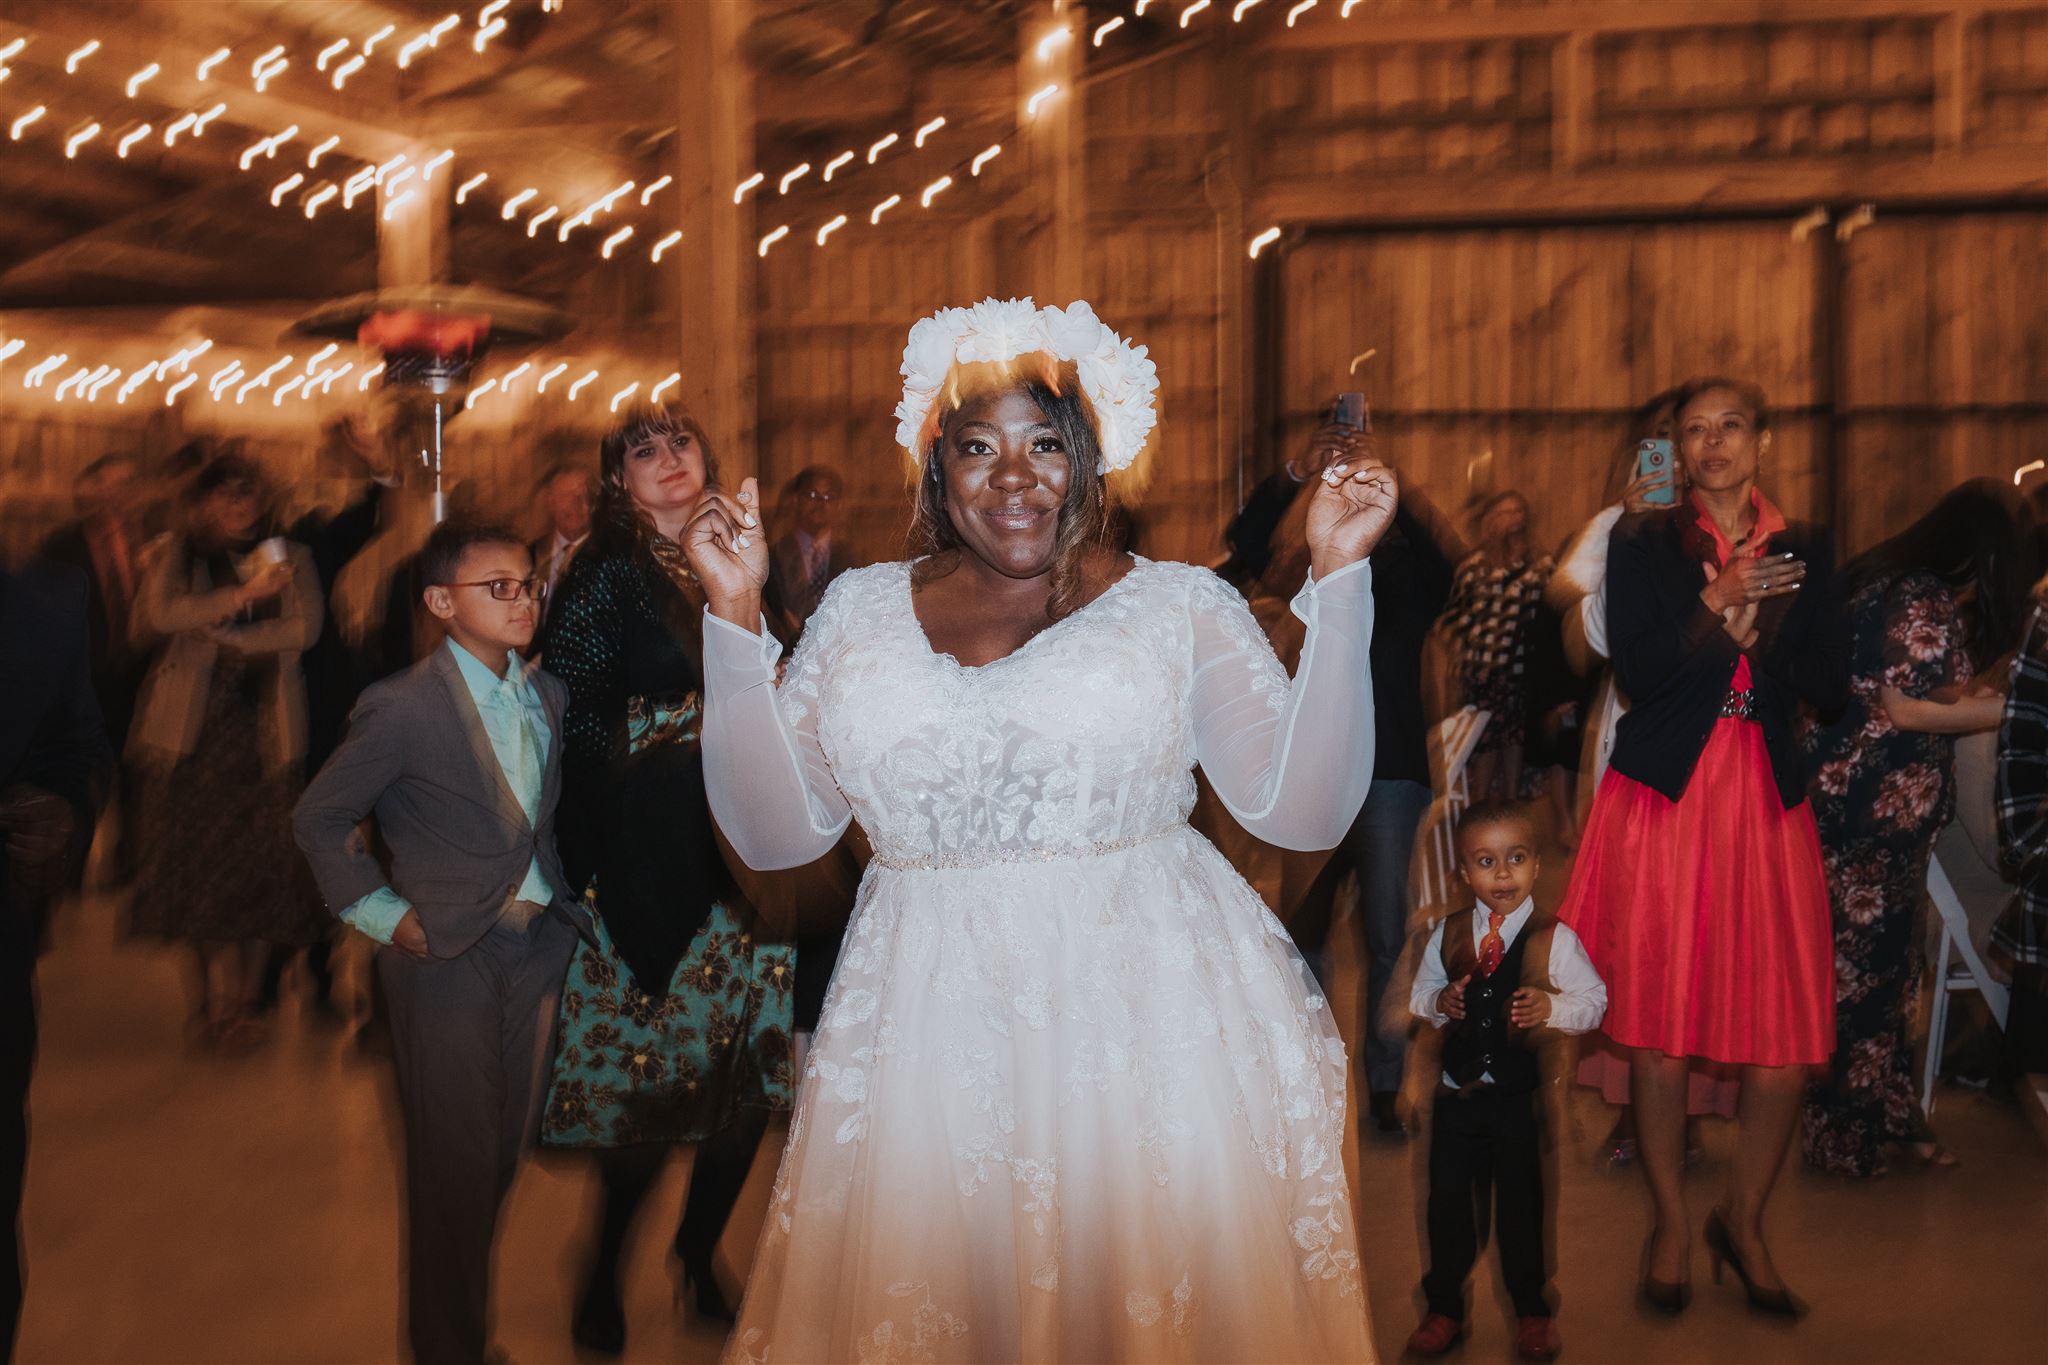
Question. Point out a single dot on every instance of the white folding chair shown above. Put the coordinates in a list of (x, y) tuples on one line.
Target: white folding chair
[(1451, 747), (1957, 967)]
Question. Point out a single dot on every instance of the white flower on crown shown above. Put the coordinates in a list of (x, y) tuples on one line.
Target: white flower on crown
[(1117, 378)]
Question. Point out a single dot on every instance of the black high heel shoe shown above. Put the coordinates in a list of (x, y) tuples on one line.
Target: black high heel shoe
[(1669, 1297), (1721, 1246), (600, 1322), (699, 1281)]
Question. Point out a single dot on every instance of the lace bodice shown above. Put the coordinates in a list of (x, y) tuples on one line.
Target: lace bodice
[(1082, 741)]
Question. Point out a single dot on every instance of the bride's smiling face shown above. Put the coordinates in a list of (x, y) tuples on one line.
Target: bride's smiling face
[(1006, 473)]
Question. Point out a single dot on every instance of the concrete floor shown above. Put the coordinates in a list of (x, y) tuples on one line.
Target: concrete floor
[(187, 1208)]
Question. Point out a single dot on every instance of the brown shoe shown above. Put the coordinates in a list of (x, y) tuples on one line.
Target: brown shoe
[(1536, 1339), (1436, 1336)]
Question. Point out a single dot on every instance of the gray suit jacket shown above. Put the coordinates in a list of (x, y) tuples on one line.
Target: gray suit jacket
[(417, 756)]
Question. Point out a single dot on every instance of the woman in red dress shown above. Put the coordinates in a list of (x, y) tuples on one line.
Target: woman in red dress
[(1699, 890)]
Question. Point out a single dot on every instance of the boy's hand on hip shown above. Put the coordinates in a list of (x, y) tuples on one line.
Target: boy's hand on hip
[(409, 937)]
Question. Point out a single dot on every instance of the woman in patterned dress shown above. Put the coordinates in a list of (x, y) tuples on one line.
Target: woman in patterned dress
[(1493, 608), (1931, 609), (676, 1020)]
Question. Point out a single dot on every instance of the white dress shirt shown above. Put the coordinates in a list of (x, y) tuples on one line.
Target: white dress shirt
[(1581, 997)]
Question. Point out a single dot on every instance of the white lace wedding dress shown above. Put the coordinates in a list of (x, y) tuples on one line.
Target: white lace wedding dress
[(1074, 1096)]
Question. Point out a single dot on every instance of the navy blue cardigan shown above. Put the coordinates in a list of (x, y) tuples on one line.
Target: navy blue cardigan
[(1674, 661)]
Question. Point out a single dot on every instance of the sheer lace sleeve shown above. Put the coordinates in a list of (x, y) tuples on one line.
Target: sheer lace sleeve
[(771, 788), (1290, 761)]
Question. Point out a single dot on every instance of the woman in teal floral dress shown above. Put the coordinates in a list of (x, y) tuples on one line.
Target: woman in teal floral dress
[(1929, 610), (675, 1023)]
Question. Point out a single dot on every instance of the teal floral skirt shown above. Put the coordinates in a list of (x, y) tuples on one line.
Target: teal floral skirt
[(676, 1067)]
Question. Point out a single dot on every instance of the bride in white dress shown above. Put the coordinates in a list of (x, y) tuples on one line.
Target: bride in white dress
[(1074, 1096)]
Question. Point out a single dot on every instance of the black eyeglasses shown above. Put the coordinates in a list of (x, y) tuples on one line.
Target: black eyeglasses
[(819, 495), (509, 589)]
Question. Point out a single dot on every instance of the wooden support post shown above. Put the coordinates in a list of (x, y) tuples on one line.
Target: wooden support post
[(1056, 135), (1956, 72), (1572, 80), (715, 262), (412, 224)]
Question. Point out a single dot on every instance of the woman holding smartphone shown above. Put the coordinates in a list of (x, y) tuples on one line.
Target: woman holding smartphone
[(1699, 889)]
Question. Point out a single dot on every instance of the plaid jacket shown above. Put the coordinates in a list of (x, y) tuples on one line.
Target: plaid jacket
[(2023, 796)]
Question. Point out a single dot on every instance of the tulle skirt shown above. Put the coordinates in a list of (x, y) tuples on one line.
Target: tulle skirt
[(1089, 1109), (1708, 917)]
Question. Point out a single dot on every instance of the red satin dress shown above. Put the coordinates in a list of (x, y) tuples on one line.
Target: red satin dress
[(1708, 916)]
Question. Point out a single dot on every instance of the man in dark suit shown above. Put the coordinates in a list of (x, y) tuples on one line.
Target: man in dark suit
[(803, 561), (567, 494), (459, 759), (55, 764), (104, 543)]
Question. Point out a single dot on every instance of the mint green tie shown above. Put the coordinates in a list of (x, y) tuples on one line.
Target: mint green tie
[(510, 695)]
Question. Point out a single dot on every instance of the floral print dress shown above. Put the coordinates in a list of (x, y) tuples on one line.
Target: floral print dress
[(1881, 795)]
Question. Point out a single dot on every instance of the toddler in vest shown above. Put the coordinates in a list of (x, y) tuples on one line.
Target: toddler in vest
[(1492, 979)]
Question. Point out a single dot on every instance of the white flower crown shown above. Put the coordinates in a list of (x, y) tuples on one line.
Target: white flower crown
[(1116, 377)]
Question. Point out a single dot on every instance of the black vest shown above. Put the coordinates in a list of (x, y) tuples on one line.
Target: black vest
[(1480, 1043)]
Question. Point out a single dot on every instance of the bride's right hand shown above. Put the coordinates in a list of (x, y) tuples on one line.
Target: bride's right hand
[(728, 552)]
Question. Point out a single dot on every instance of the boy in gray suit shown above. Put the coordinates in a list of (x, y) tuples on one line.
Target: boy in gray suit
[(459, 758)]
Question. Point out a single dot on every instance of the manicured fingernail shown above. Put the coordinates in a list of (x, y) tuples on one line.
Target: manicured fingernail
[(740, 543), (748, 519), (1343, 468)]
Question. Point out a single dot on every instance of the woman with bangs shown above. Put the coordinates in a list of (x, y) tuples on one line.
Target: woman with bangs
[(1074, 1095), (675, 1024)]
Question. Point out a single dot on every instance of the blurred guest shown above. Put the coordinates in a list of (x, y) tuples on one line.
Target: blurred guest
[(55, 764), (806, 558), (1698, 889), (675, 1017), (1493, 604), (1579, 591), (2023, 838), (1555, 699), (1411, 581), (105, 543), (459, 759), (1251, 532), (220, 735), (1929, 611), (566, 496)]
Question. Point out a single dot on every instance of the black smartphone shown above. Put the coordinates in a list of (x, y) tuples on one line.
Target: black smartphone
[(1349, 410)]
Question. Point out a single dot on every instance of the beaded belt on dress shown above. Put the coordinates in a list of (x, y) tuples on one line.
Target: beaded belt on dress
[(999, 857), (1739, 706)]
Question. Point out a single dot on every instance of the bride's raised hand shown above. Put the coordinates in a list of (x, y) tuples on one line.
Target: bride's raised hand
[(728, 551), (1352, 508)]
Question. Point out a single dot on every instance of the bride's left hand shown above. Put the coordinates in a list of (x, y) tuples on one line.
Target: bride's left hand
[(1352, 508)]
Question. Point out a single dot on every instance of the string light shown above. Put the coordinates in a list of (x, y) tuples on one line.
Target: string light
[(655, 189), (582, 384), (434, 163), (521, 368), (141, 132), (933, 190), (285, 187), (1037, 101), (612, 242), (1242, 8), (1053, 40), (22, 124), (511, 209), (542, 387), (623, 394), (1142, 4), (1192, 10), (604, 205), (462, 192), (357, 184), (478, 394), (142, 78), (891, 202), (207, 65), (1303, 8), (370, 43), (319, 197), (484, 15), (363, 384), (665, 243), (1112, 26), (771, 239), (929, 129), (882, 146), (987, 155), (222, 377), (14, 347), (8, 54), (178, 126), (1349, 5), (329, 53), (1264, 240), (80, 138), (349, 68), (411, 50), (388, 167), (171, 394), (284, 390), (393, 205), (569, 225), (399, 177), (835, 163), (313, 157), (654, 394), (533, 224), (790, 179), (136, 381), (830, 228), (199, 128), (320, 356), (78, 56), (440, 30), (484, 35), (739, 191), (35, 377)]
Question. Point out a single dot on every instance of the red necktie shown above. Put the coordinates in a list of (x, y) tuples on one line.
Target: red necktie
[(1491, 949)]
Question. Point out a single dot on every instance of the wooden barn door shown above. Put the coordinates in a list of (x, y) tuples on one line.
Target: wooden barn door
[(1535, 343)]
